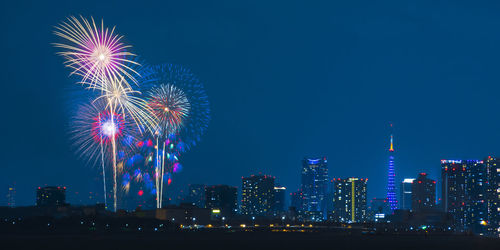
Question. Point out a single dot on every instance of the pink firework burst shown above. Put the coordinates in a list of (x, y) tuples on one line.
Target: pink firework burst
[(107, 125), (94, 52)]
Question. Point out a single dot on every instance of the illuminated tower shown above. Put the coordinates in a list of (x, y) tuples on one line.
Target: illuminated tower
[(314, 187), (391, 185)]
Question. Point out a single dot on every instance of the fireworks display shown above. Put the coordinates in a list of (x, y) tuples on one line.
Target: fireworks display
[(196, 122), (171, 106), (178, 100), (137, 139), (94, 52)]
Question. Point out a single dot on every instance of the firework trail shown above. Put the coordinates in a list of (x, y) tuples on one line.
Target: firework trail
[(178, 101), (171, 107), (94, 128), (198, 117), (97, 55)]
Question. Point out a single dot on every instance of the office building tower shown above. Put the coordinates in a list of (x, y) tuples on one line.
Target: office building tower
[(279, 199), (492, 165), (476, 205), (50, 196), (464, 192), (391, 179), (196, 195), (314, 188), (423, 193), (350, 200), (405, 194), (222, 198), (257, 195)]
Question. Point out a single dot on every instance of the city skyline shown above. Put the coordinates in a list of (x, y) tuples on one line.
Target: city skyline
[(348, 73)]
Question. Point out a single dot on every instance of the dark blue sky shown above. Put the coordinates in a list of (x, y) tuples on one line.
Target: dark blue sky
[(285, 80)]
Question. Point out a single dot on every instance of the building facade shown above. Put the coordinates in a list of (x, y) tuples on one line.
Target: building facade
[(314, 187), (350, 200), (50, 196), (196, 195), (405, 193), (423, 193), (222, 199), (297, 200), (257, 195), (378, 209), (464, 193), (492, 165), (279, 199)]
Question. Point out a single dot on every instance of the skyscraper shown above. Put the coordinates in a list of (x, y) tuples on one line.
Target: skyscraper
[(50, 196), (464, 192), (350, 200), (405, 194), (314, 188), (493, 194), (222, 198), (476, 205), (257, 195), (423, 193), (391, 179)]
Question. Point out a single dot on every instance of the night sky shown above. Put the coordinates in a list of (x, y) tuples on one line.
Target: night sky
[(285, 80)]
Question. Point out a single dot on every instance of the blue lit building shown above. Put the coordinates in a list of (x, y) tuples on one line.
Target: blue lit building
[(314, 188)]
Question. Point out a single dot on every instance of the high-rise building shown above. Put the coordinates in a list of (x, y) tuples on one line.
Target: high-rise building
[(423, 193), (405, 193), (222, 198), (453, 174), (257, 195), (391, 179), (314, 188), (279, 199), (11, 197), (492, 165), (464, 192), (476, 205), (350, 200), (196, 195), (50, 196)]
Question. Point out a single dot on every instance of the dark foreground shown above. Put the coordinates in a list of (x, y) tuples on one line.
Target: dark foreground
[(243, 240)]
